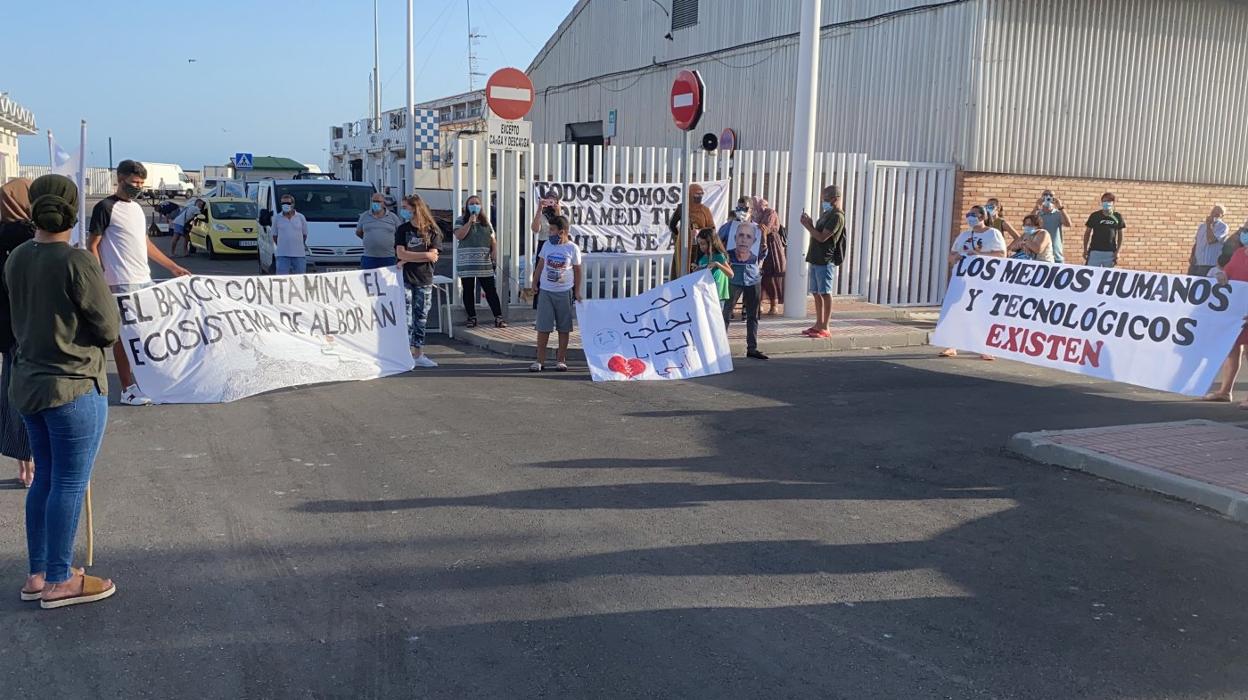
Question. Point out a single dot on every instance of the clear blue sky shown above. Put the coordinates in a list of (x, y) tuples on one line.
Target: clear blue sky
[(269, 77)]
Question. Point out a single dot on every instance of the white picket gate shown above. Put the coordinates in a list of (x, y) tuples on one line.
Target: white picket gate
[(903, 259), (895, 212), (99, 180)]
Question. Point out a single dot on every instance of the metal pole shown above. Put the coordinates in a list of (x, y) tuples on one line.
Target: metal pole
[(411, 108), (803, 156), (376, 77), (682, 233), (110, 153)]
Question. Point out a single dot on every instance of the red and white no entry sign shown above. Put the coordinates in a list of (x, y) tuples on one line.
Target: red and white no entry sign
[(509, 92), (688, 92)]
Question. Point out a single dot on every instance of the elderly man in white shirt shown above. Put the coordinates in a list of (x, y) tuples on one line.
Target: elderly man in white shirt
[(290, 238), (1210, 236)]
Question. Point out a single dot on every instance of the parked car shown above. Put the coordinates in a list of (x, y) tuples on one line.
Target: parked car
[(228, 227), (332, 208)]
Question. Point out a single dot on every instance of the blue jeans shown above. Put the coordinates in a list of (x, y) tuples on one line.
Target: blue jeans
[(64, 441), (368, 262), (291, 265), (422, 297), (1102, 258)]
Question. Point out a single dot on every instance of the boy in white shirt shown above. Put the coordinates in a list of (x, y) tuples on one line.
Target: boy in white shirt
[(558, 269)]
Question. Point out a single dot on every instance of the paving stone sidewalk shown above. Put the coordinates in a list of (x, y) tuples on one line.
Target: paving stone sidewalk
[(1204, 462)]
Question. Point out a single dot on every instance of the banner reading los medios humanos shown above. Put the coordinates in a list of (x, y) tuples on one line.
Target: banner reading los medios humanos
[(626, 218), (1167, 332), (207, 339)]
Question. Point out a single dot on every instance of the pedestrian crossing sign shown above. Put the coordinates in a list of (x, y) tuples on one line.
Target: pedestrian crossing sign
[(242, 161)]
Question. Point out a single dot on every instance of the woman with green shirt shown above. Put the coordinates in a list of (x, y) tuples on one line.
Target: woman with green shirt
[(63, 320), (474, 261)]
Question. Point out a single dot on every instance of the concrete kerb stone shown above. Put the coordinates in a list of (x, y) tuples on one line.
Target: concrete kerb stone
[(1040, 447), (772, 346)]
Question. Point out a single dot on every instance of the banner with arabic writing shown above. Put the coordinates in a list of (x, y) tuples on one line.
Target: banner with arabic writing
[(671, 332)]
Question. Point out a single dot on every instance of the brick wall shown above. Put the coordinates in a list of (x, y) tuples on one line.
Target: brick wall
[(1161, 217)]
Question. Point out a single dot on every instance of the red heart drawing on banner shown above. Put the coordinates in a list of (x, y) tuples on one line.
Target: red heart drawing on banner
[(629, 367)]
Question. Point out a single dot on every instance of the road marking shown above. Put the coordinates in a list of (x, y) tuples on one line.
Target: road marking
[(502, 92)]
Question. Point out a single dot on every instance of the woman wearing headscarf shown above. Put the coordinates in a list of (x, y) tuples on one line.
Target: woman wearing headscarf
[(775, 265), (15, 229), (64, 319)]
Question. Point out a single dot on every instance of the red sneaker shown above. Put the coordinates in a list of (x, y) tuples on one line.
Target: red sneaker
[(810, 332), (821, 334)]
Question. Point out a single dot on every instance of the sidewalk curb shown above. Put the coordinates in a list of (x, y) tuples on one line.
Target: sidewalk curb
[(907, 337), (1039, 447)]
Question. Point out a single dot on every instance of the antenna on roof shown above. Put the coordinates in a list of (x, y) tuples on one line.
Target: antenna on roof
[(474, 40)]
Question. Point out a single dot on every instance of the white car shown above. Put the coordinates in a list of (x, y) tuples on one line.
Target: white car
[(332, 208)]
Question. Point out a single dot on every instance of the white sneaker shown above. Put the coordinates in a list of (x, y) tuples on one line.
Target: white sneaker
[(424, 361), (132, 396)]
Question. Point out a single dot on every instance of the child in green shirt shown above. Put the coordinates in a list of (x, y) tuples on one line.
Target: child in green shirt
[(712, 255)]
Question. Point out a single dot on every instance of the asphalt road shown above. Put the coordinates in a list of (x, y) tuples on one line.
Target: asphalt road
[(822, 527)]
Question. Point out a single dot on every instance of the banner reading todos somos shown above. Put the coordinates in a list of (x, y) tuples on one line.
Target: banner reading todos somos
[(671, 332), (1167, 332), (217, 339), (626, 218)]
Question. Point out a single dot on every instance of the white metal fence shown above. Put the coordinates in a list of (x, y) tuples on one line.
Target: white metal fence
[(902, 260), (896, 213), (99, 180)]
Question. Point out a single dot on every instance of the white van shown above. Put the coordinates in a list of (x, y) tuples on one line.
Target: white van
[(167, 179), (332, 208)]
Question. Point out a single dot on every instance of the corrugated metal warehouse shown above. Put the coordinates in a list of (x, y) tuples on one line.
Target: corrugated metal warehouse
[(1018, 94)]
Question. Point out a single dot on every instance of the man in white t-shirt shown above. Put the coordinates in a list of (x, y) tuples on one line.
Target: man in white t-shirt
[(290, 236), (558, 273), (978, 239), (181, 226), (119, 239)]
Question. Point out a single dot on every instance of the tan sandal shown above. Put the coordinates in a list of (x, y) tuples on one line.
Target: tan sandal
[(93, 589), (950, 352), (1217, 397), (31, 596)]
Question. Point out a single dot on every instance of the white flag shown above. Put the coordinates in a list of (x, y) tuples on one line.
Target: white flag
[(63, 163)]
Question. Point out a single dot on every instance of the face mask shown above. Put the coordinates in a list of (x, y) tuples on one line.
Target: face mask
[(474, 209), (697, 199), (1028, 230), (405, 214), (825, 207), (1107, 206), (375, 206), (972, 221), (991, 209), (287, 208), (553, 239), (742, 214), (131, 191), (1243, 237)]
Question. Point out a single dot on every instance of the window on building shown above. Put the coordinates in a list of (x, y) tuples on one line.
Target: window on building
[(684, 14)]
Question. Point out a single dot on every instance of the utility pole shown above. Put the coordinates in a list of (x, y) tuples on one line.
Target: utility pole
[(411, 108), (803, 155), (376, 79)]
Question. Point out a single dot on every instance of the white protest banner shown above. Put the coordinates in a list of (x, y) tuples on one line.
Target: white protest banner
[(626, 218), (1167, 332), (671, 332), (216, 339)]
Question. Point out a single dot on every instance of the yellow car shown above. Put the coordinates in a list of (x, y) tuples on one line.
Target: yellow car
[(228, 227)]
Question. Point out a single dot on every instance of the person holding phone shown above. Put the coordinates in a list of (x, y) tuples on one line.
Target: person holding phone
[(548, 208), (474, 261)]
